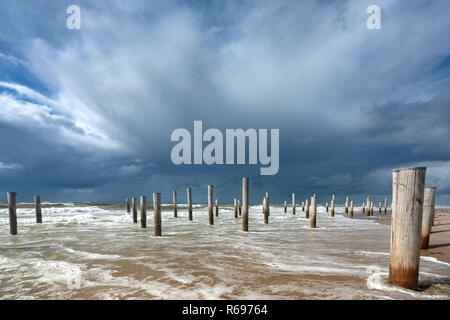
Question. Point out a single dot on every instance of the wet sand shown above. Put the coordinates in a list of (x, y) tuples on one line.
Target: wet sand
[(439, 238)]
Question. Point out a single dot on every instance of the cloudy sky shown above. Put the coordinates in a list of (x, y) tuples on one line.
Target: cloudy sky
[(88, 114)]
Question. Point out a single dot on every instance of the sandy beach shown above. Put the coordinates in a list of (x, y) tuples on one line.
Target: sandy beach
[(439, 238)]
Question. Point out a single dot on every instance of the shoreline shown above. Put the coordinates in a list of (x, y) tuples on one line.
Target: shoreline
[(439, 238)]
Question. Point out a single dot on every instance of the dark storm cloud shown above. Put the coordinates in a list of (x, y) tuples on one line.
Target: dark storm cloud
[(88, 114)]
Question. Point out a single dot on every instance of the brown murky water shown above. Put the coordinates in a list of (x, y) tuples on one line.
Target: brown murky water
[(94, 251)]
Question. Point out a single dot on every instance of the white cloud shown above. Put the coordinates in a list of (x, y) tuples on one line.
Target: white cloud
[(10, 167)]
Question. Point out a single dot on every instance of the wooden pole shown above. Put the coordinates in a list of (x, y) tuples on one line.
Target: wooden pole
[(303, 206), (235, 208), (385, 206), (307, 209), (157, 214), (239, 207), (293, 203), (313, 211), (133, 205), (346, 204), (266, 210), (428, 212), (12, 212), (333, 203), (379, 208), (364, 207), (351, 209), (245, 200), (285, 207), (143, 212), (127, 202), (210, 205), (407, 208), (189, 199), (37, 204), (326, 205), (175, 210), (217, 207), (371, 208), (368, 206)]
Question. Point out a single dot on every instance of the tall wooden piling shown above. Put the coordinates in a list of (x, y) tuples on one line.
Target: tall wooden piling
[(133, 206), (428, 213), (333, 203), (368, 206), (379, 208), (217, 207), (157, 214), (346, 204), (245, 201), (285, 207), (313, 211), (12, 212), (266, 210), (351, 209), (307, 209), (235, 208), (239, 207), (210, 205), (385, 206), (38, 208), (407, 208), (303, 206), (371, 208), (189, 199), (175, 210), (143, 212), (127, 203), (364, 207), (293, 203), (326, 206)]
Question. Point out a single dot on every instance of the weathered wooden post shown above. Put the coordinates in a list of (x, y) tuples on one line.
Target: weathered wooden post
[(133, 205), (407, 208), (385, 206), (266, 210), (127, 202), (333, 203), (143, 212), (346, 205), (37, 204), (351, 209), (313, 211), (428, 213), (245, 201), (368, 206), (364, 207), (326, 206), (189, 199), (239, 207), (235, 208), (379, 208), (12, 212), (293, 203), (210, 205), (175, 210), (217, 207), (307, 209), (303, 206), (285, 207), (157, 214), (371, 208)]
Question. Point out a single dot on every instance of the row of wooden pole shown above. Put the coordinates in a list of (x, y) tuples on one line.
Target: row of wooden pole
[(413, 208)]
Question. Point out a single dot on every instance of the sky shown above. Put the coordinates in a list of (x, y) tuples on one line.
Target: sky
[(87, 115)]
